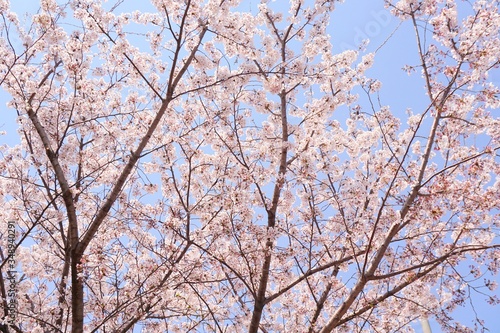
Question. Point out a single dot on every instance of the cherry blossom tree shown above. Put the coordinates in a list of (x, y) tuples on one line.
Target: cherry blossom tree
[(213, 166)]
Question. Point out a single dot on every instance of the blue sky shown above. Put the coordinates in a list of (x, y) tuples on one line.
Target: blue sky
[(396, 47), (351, 22)]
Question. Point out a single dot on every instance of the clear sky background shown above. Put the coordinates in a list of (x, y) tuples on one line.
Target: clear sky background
[(396, 46), (352, 22)]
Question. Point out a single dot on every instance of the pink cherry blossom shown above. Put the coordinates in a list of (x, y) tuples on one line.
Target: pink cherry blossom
[(215, 166)]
